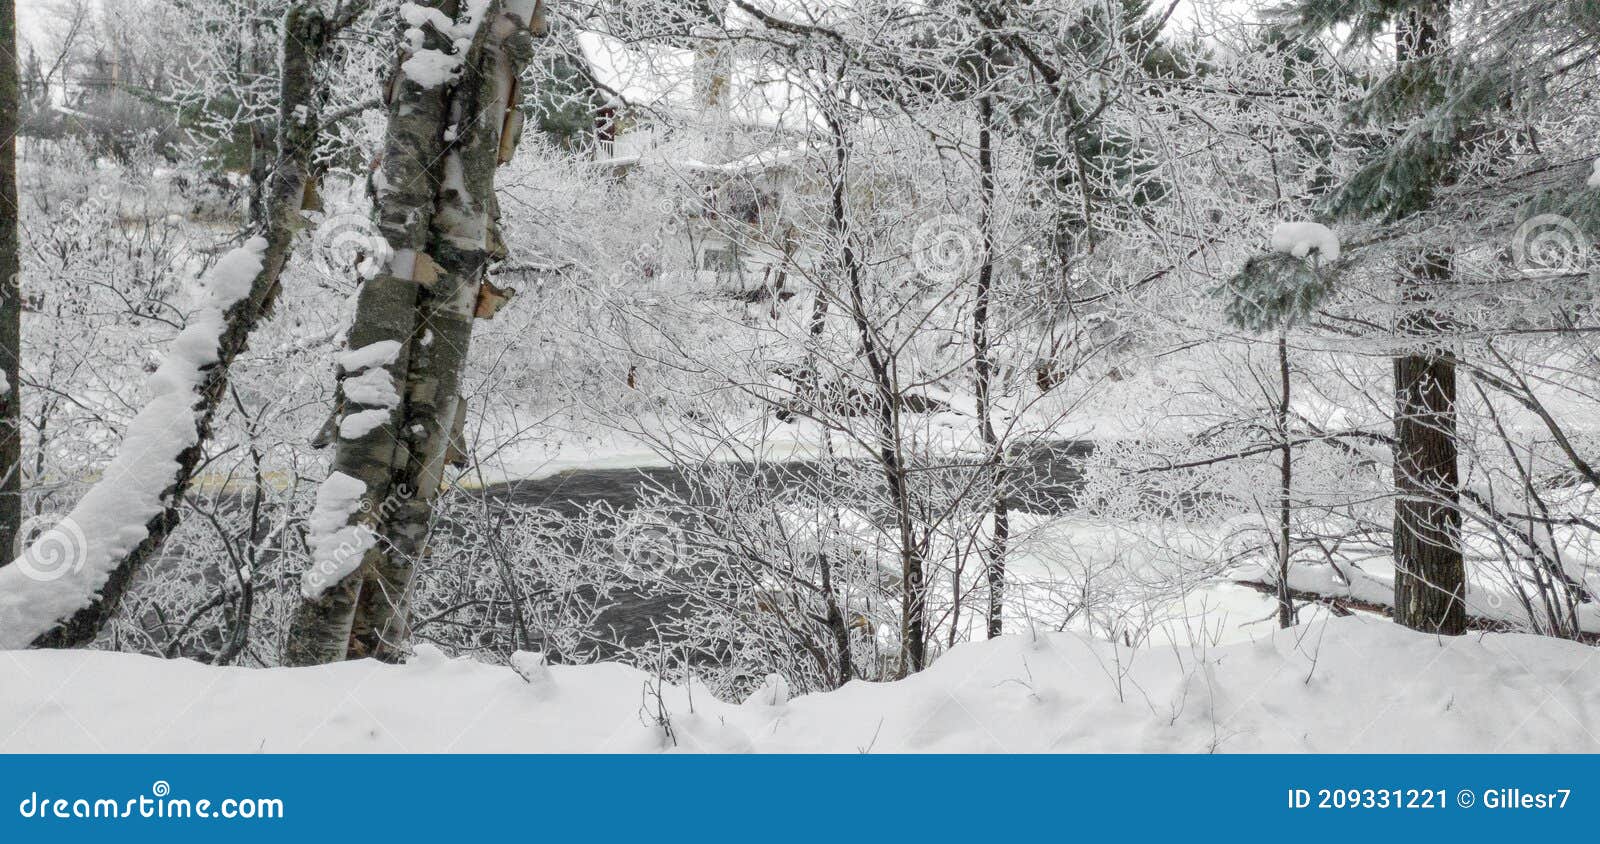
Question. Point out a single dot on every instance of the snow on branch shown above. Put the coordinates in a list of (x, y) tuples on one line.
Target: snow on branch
[(1302, 239), (63, 570), (1285, 284)]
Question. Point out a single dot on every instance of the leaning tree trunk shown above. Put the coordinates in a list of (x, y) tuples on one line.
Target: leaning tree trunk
[(1430, 575), (10, 292), (306, 34), (412, 331)]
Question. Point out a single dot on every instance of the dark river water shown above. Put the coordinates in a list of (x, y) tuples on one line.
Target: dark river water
[(1051, 473)]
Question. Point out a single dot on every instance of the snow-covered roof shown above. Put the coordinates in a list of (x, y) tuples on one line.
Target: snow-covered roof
[(648, 75), (661, 78), (758, 161)]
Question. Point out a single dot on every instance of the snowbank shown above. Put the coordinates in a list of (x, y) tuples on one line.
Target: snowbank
[(1342, 685)]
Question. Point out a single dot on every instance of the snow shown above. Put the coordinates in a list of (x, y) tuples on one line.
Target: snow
[(432, 68), (361, 423), (655, 77), (65, 568), (531, 666), (1344, 685), (774, 691), (230, 280), (381, 353), (1300, 239), (373, 388), (417, 17), (336, 546), (1594, 178)]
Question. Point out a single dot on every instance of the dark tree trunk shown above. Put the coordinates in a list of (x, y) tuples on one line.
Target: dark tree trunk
[(1430, 574), (983, 370), (10, 291), (835, 621), (1285, 485)]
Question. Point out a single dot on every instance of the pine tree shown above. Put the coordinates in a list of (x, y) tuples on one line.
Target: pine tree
[(1454, 96), (1430, 573), (1269, 295), (1277, 290)]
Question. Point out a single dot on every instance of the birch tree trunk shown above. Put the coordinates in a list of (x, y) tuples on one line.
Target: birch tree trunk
[(307, 31), (10, 291), (436, 209)]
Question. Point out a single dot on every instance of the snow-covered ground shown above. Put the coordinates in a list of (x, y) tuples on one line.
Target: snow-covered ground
[(1346, 685)]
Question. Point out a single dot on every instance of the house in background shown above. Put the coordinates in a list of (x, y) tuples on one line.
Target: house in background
[(732, 132)]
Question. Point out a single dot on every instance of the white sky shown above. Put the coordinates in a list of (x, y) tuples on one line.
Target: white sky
[(34, 16), (30, 18)]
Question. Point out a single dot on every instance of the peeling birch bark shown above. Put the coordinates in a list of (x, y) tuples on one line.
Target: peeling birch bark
[(438, 212)]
